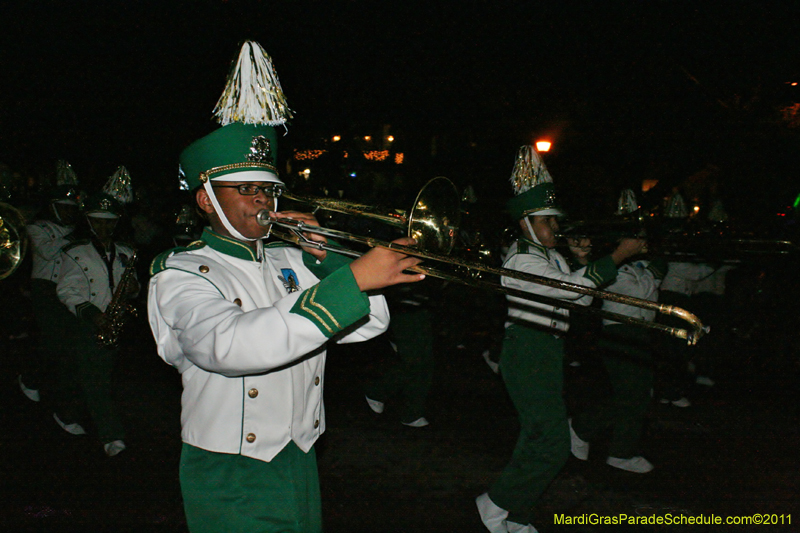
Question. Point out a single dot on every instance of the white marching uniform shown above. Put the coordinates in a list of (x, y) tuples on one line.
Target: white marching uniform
[(84, 284), (637, 280), (247, 334), (47, 239), (533, 258)]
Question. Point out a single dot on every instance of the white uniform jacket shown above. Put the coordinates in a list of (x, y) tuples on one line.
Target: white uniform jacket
[(533, 258), (639, 279), (248, 337), (47, 238), (84, 286)]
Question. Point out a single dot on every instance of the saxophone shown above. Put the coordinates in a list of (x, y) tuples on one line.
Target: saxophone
[(118, 309)]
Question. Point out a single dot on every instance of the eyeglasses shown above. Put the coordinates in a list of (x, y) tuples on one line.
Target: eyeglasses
[(250, 189)]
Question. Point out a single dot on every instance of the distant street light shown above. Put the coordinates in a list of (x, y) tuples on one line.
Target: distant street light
[(543, 146)]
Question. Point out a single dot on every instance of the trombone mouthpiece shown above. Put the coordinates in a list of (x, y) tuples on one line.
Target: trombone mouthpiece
[(263, 218)]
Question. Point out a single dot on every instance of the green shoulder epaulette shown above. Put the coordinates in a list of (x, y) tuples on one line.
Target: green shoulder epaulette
[(160, 261)]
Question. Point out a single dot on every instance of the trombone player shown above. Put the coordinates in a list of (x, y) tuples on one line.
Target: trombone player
[(246, 322), (531, 361)]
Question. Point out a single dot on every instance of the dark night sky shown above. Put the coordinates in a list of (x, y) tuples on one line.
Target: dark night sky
[(631, 88)]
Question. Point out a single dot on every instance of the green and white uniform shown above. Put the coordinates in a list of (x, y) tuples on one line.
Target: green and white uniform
[(52, 318), (86, 287), (628, 360), (531, 365), (247, 331)]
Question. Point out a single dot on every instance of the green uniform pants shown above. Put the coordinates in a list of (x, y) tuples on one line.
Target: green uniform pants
[(55, 325), (531, 364), (228, 493), (628, 362), (409, 379), (92, 375)]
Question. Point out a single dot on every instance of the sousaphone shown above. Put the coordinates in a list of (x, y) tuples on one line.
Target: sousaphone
[(13, 240)]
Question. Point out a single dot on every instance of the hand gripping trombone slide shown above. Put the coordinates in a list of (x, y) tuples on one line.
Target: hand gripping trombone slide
[(433, 222)]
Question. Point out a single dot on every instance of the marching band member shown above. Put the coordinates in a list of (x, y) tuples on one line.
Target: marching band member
[(626, 355), (47, 236), (531, 362), (246, 323), (91, 275)]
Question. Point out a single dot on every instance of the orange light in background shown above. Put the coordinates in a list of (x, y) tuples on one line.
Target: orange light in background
[(390, 138), (367, 137), (398, 158), (543, 146), (648, 184), (337, 138)]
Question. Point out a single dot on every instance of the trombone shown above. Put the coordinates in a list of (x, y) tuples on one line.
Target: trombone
[(433, 221)]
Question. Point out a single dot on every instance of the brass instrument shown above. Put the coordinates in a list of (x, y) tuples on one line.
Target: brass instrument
[(13, 239), (118, 308), (433, 221), (686, 243)]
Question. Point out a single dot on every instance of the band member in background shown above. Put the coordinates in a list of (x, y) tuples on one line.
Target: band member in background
[(531, 362), (246, 324), (48, 235), (91, 276), (627, 356)]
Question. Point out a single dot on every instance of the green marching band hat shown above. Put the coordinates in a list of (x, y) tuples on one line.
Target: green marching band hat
[(534, 192), (244, 148), (116, 193), (627, 203), (676, 207), (236, 152), (103, 205), (66, 189)]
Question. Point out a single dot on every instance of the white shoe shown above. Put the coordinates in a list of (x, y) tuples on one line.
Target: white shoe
[(492, 516), (513, 527), (114, 447), (705, 380), (637, 465), (495, 367), (578, 447), (31, 394), (680, 402), (420, 422), (375, 405), (75, 428)]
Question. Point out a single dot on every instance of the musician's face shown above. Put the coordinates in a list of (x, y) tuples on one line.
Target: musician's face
[(545, 227), (67, 213), (239, 209), (103, 227)]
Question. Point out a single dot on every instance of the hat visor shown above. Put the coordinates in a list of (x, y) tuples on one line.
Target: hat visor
[(249, 175), (101, 214), (66, 202), (548, 211)]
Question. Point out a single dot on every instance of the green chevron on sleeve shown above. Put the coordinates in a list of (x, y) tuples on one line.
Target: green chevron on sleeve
[(334, 303), (602, 271), (333, 262)]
